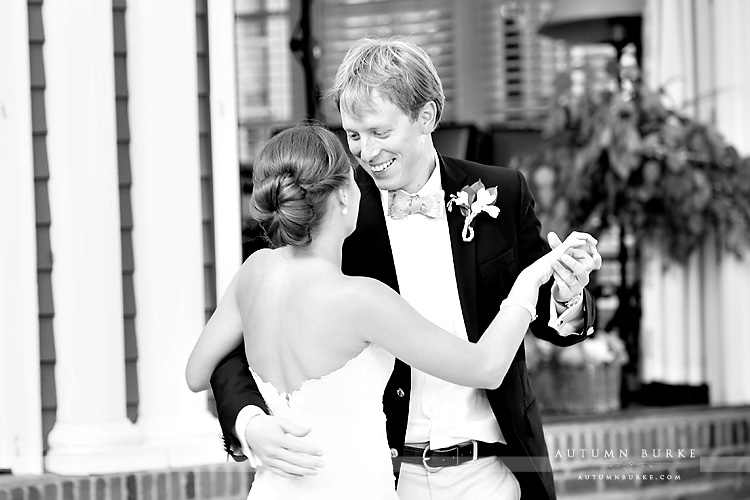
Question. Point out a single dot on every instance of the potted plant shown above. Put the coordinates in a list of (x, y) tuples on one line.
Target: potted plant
[(617, 155), (583, 378)]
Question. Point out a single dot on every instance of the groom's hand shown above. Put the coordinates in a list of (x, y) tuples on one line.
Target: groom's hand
[(277, 443), (571, 273)]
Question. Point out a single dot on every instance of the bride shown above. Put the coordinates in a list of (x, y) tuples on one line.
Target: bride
[(320, 344)]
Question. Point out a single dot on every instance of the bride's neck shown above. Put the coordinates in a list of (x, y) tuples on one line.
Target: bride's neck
[(324, 247)]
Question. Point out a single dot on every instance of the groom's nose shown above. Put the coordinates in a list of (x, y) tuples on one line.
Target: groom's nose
[(368, 149)]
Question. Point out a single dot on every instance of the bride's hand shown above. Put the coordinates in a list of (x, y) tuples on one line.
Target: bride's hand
[(562, 255), (572, 274)]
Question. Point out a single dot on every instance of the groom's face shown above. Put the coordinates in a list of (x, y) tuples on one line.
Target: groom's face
[(392, 147)]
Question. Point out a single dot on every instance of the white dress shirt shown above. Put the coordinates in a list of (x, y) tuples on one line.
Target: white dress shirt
[(439, 412)]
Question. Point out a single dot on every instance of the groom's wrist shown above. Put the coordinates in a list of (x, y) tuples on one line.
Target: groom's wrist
[(561, 299), (244, 417), (567, 320), (568, 303)]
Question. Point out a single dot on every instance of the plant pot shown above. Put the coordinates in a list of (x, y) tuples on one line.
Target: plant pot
[(577, 389)]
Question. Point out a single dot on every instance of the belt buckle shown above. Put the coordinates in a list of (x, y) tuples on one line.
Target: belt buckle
[(474, 455), (424, 461)]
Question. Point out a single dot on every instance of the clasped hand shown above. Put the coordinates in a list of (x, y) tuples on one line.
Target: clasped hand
[(574, 261)]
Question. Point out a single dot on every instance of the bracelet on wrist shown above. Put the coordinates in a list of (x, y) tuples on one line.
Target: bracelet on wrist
[(520, 303)]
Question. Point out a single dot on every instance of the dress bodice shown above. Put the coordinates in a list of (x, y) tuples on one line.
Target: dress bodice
[(344, 409)]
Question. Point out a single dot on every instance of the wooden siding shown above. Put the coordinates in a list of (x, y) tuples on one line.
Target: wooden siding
[(206, 166), (43, 218), (119, 8), (204, 142)]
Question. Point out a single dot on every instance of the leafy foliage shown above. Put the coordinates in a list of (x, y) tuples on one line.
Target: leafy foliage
[(617, 154)]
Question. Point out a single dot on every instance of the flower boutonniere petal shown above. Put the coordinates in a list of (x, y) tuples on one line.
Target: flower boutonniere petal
[(472, 201)]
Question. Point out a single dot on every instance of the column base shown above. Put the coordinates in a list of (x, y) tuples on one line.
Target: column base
[(185, 441), (154, 443), (79, 449)]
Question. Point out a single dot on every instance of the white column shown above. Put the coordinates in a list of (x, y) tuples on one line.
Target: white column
[(732, 73), (224, 142), (652, 339), (735, 285), (672, 325), (669, 59), (701, 47), (92, 434), (731, 65), (167, 228), (21, 424), (666, 30), (695, 372), (672, 321), (714, 321)]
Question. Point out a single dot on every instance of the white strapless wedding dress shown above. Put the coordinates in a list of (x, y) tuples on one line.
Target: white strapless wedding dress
[(344, 409)]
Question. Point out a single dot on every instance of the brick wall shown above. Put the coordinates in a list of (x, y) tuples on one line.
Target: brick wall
[(212, 482), (713, 435), (232, 482)]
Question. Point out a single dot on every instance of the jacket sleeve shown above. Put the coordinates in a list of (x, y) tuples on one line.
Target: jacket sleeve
[(533, 245), (234, 388)]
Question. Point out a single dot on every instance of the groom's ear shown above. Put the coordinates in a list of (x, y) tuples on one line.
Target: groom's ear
[(427, 117)]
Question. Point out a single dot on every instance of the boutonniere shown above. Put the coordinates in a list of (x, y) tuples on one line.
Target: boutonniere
[(472, 201)]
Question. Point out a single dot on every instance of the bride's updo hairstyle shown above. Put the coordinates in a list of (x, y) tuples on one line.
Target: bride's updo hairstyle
[(293, 176)]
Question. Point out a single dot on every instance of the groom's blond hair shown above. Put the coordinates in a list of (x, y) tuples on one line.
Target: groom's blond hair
[(397, 70)]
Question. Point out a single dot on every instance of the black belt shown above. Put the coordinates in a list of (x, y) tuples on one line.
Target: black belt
[(435, 459)]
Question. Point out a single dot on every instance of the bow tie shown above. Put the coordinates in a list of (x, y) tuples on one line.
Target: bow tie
[(401, 204)]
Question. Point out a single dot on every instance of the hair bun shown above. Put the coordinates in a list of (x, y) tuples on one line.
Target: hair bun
[(284, 190), (279, 204), (294, 176)]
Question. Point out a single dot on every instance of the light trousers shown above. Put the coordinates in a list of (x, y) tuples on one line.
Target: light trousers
[(484, 479)]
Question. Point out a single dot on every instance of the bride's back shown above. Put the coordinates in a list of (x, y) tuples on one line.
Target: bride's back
[(290, 320), (312, 371)]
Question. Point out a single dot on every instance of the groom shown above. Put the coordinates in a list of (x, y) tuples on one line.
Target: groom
[(447, 441)]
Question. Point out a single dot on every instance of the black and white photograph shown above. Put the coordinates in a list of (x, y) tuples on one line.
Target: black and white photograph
[(375, 250)]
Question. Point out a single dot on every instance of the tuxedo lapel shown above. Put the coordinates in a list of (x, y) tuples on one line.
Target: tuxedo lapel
[(367, 252), (464, 253)]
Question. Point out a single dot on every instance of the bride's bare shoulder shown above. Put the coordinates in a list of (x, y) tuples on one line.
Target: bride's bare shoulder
[(263, 253), (361, 289), (259, 258), (255, 266)]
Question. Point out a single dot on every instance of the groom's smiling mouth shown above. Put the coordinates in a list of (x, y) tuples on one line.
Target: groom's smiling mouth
[(380, 167)]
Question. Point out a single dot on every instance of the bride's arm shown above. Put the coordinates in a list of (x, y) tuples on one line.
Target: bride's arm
[(221, 335), (386, 319)]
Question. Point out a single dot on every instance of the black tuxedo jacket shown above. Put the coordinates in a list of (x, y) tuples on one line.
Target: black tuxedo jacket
[(485, 268)]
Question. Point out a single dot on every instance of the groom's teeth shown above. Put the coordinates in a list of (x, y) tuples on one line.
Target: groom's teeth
[(382, 166)]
